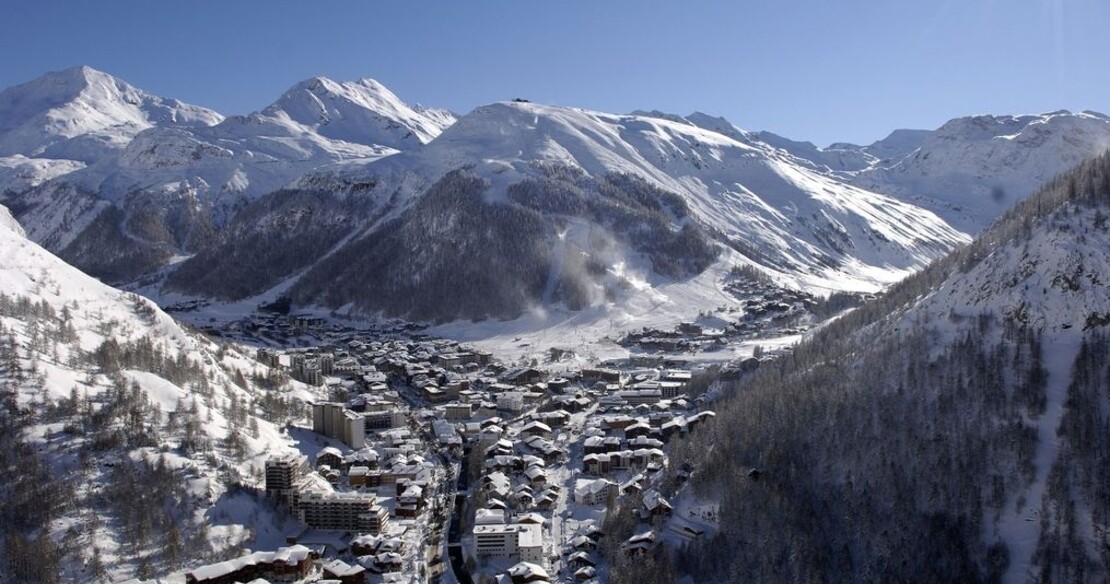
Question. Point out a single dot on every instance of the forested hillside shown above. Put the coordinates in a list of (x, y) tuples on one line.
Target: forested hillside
[(955, 430), (128, 446)]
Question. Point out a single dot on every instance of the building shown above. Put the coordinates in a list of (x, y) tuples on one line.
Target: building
[(282, 473), (517, 541), (635, 397), (291, 563), (334, 420), (269, 357), (349, 511), (594, 492), (383, 420), (511, 401), (345, 573), (459, 412), (329, 456)]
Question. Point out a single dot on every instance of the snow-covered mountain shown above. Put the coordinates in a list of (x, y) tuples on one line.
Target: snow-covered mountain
[(971, 170), (83, 114), (668, 196), (962, 415), (160, 185), (754, 197), (128, 432), (360, 112)]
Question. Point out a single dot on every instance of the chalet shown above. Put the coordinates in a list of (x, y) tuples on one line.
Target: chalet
[(387, 562), (344, 572), (690, 328), (292, 562), (489, 517), (595, 445), (673, 428), (365, 545), (433, 393), (510, 401), (612, 423), (606, 375), (581, 560), (641, 543), (533, 518), (526, 572), (504, 463), (366, 458), (585, 573), (536, 428), (655, 505), (535, 475), (555, 419), (597, 464), (638, 429), (329, 456), (699, 418), (558, 385), (582, 543), (449, 360), (546, 499), (523, 376), (644, 442)]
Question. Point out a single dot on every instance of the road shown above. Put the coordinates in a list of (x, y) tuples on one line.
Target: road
[(454, 532)]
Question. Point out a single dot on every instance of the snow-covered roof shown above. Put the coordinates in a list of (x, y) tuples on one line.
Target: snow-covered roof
[(527, 571), (288, 555)]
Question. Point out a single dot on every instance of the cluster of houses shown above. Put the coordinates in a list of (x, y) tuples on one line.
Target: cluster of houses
[(403, 407)]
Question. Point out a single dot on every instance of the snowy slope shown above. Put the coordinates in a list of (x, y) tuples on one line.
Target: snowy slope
[(19, 173), (970, 170), (8, 223), (799, 222), (84, 114), (56, 367)]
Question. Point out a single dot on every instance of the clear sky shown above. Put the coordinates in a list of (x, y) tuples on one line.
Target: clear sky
[(819, 70)]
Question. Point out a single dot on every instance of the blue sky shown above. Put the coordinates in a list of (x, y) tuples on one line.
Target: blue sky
[(820, 70)]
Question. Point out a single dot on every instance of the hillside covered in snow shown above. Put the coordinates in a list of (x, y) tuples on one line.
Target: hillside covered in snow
[(128, 445)]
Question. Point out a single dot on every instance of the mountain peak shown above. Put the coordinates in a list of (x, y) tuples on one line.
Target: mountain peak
[(362, 112), (81, 113)]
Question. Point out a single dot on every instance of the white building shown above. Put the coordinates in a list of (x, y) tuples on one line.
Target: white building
[(515, 541)]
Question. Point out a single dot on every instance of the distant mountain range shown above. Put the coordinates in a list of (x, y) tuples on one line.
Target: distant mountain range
[(341, 195)]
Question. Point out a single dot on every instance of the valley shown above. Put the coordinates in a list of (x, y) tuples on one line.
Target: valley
[(347, 338)]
